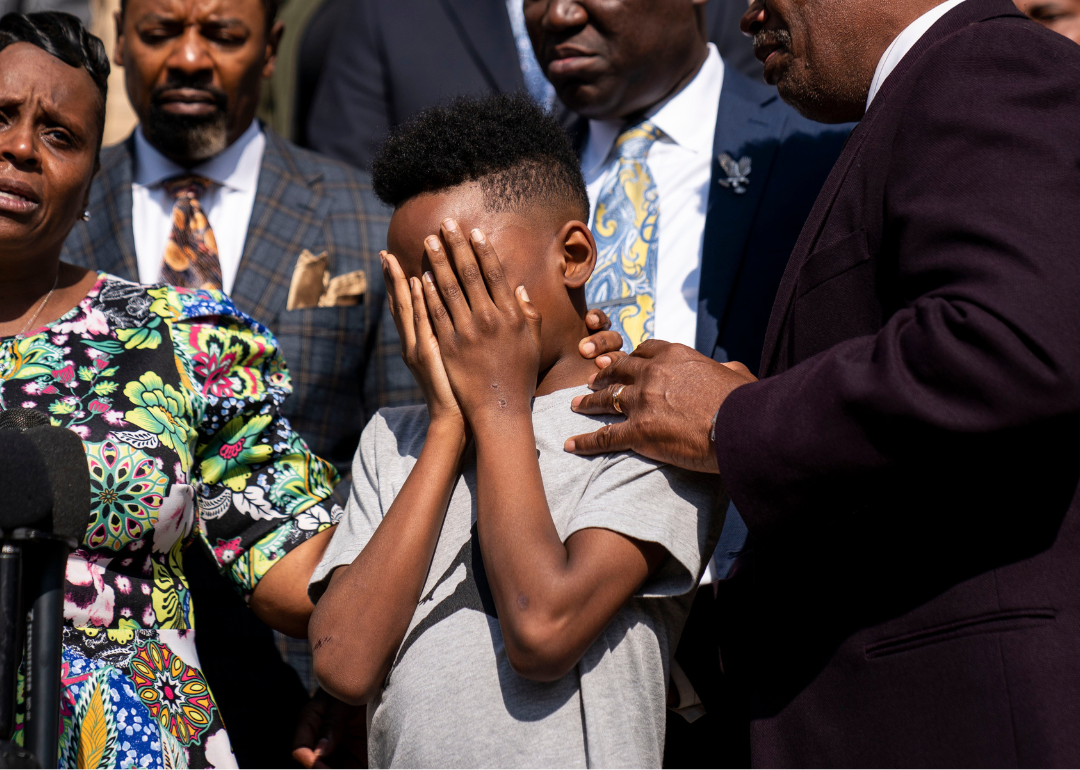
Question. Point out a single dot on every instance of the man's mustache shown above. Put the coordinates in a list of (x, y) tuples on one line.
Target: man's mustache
[(773, 37), (217, 96)]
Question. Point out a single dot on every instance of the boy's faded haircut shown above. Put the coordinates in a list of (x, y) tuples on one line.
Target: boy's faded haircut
[(519, 154)]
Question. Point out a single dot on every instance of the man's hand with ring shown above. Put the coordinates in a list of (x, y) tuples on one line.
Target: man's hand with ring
[(603, 345), (669, 394)]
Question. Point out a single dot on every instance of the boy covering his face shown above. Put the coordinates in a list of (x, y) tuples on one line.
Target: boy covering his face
[(495, 600)]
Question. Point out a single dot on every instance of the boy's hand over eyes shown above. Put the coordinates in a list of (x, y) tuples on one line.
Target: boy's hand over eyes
[(488, 333), (419, 347)]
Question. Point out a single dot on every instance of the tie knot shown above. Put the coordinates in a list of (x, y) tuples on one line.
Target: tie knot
[(634, 142), (187, 186)]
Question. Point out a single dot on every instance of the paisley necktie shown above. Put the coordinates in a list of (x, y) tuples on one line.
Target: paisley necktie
[(626, 228), (191, 256)]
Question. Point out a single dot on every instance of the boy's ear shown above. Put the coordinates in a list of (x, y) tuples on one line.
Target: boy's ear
[(579, 253)]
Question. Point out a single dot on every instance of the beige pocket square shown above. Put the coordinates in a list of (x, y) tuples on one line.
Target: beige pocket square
[(312, 285)]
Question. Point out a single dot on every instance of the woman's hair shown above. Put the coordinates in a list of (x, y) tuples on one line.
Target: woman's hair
[(63, 36)]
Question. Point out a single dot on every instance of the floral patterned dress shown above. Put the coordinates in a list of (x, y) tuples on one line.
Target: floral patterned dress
[(176, 395)]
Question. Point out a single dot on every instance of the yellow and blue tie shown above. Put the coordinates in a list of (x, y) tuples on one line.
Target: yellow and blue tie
[(626, 227)]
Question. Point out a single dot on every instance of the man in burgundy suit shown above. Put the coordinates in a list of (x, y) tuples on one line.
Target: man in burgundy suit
[(908, 464)]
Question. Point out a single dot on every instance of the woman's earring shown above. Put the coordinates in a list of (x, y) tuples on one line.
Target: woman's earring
[(86, 216)]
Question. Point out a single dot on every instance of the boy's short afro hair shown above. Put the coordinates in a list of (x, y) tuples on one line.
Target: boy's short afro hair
[(520, 155)]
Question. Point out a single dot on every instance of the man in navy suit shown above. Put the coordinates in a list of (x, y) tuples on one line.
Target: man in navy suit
[(730, 172), (390, 59)]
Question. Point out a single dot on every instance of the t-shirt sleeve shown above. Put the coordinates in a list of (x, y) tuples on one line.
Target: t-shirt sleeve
[(655, 503), (363, 512)]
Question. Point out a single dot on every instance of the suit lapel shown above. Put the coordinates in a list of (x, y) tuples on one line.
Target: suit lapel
[(287, 218), (744, 129), (485, 29), (107, 241), (803, 247), (964, 14)]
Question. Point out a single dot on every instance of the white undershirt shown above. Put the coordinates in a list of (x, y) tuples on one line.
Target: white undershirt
[(904, 42), (227, 204), (681, 165)]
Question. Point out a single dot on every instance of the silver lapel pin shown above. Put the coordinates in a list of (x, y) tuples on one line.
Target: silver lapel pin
[(738, 174)]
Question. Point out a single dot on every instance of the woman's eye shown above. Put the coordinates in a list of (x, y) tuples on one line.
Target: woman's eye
[(59, 138)]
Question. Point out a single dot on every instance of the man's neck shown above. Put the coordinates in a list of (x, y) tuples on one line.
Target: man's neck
[(689, 71)]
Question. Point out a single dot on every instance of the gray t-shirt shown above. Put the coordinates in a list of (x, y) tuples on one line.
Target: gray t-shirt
[(451, 698)]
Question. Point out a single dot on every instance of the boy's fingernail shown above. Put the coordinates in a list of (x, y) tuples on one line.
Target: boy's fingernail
[(604, 360), (588, 348), (432, 242), (593, 317), (429, 278), (524, 294), (569, 446), (450, 225), (577, 400), (320, 748), (477, 236)]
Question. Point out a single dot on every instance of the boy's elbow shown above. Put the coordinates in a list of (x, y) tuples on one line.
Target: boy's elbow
[(538, 651), (340, 668), (348, 683)]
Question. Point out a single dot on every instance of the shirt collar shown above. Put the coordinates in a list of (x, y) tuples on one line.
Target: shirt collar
[(235, 167), (679, 117), (904, 42)]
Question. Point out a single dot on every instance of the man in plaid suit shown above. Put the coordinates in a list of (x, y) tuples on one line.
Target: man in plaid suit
[(204, 195)]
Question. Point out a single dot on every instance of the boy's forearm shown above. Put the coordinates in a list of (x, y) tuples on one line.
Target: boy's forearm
[(359, 623), (553, 599)]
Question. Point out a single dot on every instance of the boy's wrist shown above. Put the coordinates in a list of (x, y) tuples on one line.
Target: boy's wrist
[(447, 430), (501, 420)]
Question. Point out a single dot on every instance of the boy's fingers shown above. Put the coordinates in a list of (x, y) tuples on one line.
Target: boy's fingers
[(424, 332), (610, 438), (492, 268), (440, 317), (468, 271), (444, 281), (400, 300), (532, 315)]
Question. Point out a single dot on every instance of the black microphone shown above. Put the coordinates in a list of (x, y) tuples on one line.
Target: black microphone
[(24, 493), (56, 469)]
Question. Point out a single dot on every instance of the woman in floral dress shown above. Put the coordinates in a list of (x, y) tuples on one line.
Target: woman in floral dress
[(176, 395)]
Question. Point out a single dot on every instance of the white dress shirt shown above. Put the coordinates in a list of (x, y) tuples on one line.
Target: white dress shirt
[(227, 204), (681, 165), (904, 42)]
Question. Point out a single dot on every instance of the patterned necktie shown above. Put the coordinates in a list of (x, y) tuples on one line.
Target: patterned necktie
[(626, 228), (191, 256)]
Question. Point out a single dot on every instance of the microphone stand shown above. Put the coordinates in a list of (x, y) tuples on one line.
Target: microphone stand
[(44, 589)]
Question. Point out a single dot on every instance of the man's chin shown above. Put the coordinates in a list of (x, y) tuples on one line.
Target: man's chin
[(589, 100), (187, 139)]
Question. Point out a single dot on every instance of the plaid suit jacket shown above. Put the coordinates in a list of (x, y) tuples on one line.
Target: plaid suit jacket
[(345, 362)]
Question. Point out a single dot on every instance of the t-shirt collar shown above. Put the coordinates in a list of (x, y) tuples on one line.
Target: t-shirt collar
[(236, 167)]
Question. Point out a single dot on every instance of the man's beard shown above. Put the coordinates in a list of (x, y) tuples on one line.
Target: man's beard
[(827, 100), (187, 139)]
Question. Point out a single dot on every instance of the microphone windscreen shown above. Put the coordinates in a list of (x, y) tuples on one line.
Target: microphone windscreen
[(22, 419), (26, 497), (65, 457)]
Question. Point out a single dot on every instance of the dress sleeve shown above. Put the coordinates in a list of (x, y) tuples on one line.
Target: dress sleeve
[(260, 491)]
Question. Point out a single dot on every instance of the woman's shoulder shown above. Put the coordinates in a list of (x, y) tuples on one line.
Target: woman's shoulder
[(128, 304)]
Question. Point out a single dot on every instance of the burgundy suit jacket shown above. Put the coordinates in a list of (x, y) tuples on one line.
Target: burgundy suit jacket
[(908, 465)]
